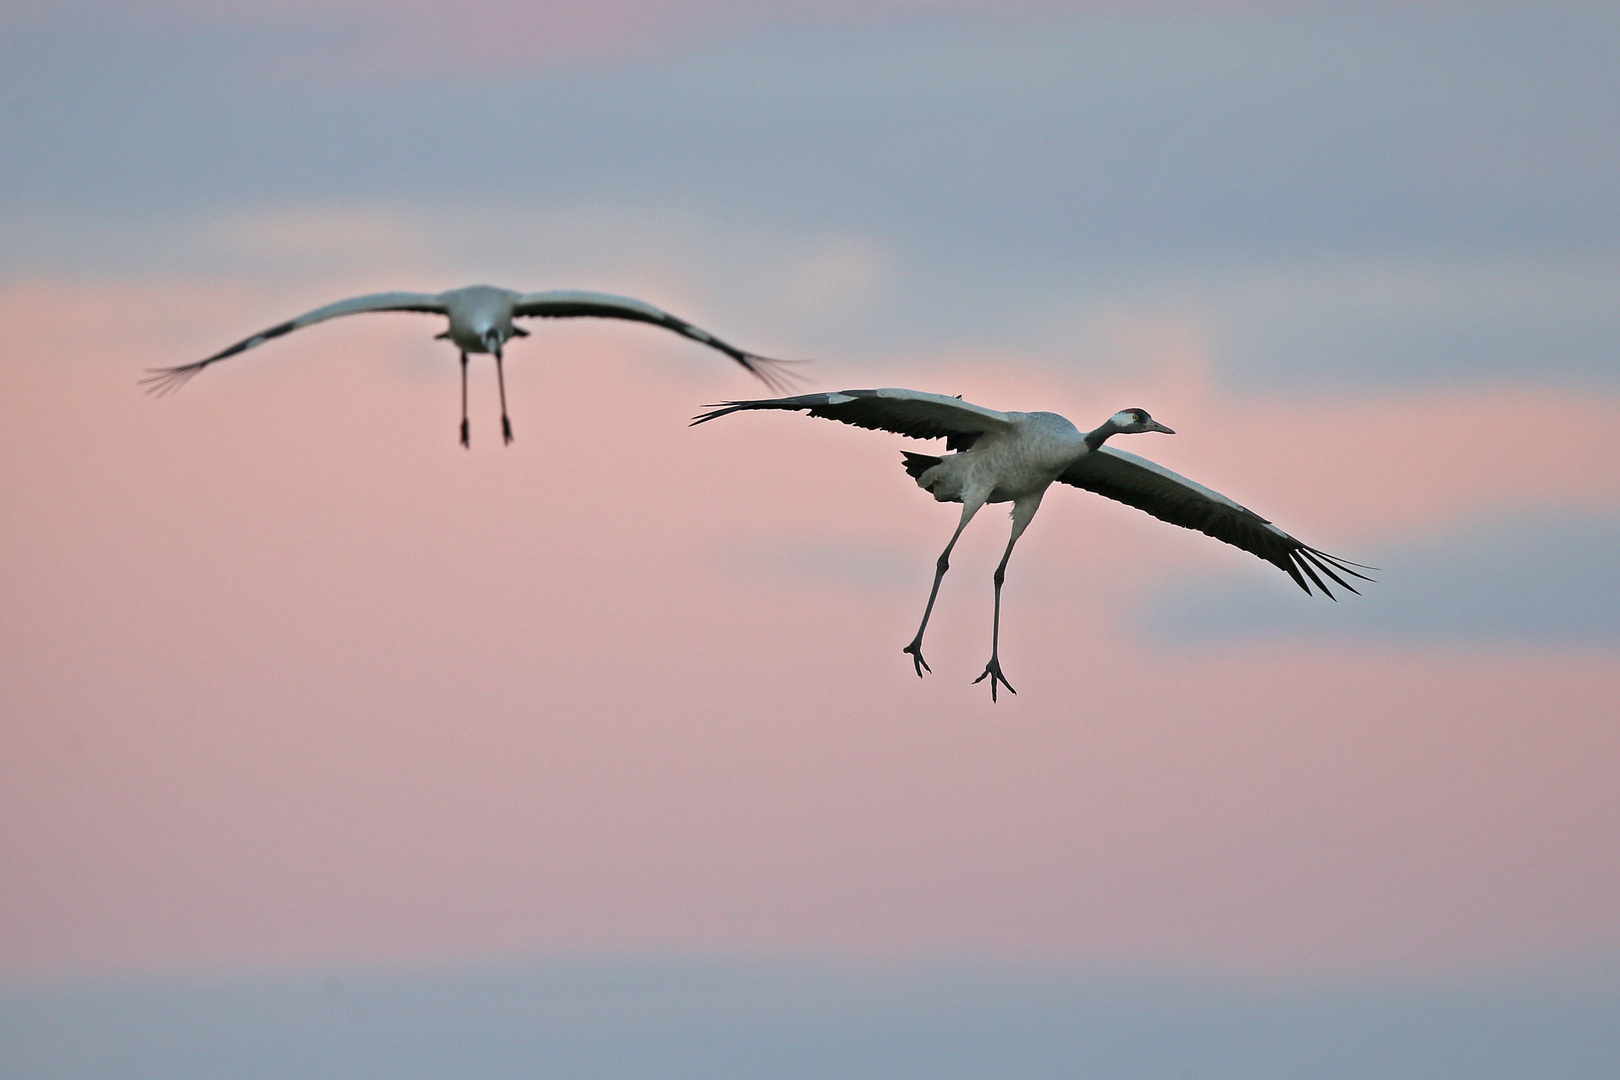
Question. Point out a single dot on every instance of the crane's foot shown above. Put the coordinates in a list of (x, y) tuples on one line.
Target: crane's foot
[(506, 430), (915, 652), (466, 435), (992, 671)]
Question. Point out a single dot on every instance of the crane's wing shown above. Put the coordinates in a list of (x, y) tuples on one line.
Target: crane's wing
[(163, 380), (1171, 497), (904, 412), (571, 304)]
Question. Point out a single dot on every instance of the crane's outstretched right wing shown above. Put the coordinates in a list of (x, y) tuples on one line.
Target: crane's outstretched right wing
[(1172, 497), (573, 304), (164, 380), (905, 412)]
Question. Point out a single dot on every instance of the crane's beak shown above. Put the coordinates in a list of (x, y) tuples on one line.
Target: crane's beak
[(1154, 425)]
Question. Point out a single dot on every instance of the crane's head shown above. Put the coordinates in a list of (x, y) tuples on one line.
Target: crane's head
[(1135, 421), (492, 339)]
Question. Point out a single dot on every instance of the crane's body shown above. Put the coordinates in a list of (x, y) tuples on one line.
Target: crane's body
[(1015, 457), (1005, 466), (481, 318), (481, 322)]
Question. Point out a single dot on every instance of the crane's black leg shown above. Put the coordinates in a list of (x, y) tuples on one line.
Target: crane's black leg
[(944, 564), (1023, 511), (500, 377), (466, 434)]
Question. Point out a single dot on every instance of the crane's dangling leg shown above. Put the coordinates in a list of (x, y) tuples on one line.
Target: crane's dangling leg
[(500, 377), (1023, 511), (969, 508), (466, 434)]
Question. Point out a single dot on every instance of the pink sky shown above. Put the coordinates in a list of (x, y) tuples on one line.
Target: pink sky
[(290, 678)]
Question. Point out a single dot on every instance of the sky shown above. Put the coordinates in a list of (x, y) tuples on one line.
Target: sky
[(293, 684)]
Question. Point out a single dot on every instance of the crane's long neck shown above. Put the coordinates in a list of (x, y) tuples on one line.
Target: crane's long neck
[(1095, 438)]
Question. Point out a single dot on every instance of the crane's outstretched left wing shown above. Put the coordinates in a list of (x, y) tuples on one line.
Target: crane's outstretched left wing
[(1171, 497), (161, 381), (571, 304), (912, 413)]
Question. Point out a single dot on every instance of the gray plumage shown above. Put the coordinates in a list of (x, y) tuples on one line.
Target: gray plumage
[(1014, 457), (481, 322)]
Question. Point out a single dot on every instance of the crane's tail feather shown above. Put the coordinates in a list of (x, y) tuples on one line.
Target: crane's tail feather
[(917, 464)]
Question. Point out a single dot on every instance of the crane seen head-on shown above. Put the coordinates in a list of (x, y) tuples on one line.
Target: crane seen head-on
[(1013, 457), (481, 322)]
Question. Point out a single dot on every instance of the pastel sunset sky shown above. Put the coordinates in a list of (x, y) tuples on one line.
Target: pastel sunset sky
[(292, 680)]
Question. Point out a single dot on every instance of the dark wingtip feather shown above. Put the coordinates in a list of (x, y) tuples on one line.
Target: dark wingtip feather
[(1306, 559), (1293, 572), (160, 382), (771, 371), (1345, 565), (1330, 563), (1304, 564), (717, 410), (1314, 557)]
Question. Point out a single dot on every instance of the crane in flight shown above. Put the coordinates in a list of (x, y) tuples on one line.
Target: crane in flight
[(481, 321), (1014, 457)]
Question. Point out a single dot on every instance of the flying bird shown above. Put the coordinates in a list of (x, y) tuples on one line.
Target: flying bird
[(1014, 457), (481, 322)]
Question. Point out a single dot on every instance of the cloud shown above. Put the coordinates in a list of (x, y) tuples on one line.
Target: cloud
[(1298, 131), (1349, 322), (648, 1017), (1507, 579), (1329, 200)]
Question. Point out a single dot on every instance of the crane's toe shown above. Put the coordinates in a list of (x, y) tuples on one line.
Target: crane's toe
[(506, 430), (466, 435), (992, 671), (915, 651)]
